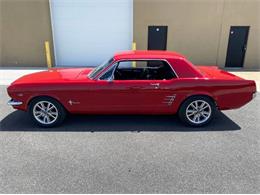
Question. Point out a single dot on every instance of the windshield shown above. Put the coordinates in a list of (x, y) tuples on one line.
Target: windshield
[(100, 68)]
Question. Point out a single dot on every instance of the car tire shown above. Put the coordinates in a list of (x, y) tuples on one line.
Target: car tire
[(47, 112), (197, 111)]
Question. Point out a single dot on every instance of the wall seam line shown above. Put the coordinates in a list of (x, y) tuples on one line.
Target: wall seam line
[(220, 32)]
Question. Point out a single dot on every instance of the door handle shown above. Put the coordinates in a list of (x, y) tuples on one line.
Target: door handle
[(156, 85)]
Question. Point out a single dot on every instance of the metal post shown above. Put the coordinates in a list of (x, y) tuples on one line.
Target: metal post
[(48, 54), (134, 48)]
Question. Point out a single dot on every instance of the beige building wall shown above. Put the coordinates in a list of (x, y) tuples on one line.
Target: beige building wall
[(25, 25), (199, 29), (242, 13)]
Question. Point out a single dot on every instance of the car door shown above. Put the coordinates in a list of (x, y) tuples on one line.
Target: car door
[(137, 95), (144, 96)]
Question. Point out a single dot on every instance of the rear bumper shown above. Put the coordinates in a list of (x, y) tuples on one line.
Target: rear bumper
[(14, 103)]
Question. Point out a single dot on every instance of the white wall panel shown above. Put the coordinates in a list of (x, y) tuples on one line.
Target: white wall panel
[(87, 32)]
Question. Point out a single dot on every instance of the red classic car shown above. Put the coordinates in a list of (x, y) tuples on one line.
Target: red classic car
[(132, 82)]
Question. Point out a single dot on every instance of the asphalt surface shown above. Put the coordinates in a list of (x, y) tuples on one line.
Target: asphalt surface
[(130, 154)]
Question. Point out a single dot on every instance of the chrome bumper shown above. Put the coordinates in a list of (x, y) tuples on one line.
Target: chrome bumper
[(14, 103)]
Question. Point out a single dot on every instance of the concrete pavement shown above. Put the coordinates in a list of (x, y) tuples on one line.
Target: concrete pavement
[(106, 154)]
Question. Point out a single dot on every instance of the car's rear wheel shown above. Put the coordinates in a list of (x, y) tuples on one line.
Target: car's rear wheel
[(47, 112), (197, 111)]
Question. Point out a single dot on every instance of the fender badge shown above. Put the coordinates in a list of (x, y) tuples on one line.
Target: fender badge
[(72, 102)]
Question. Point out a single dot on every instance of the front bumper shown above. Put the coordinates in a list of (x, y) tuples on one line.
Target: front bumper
[(14, 103)]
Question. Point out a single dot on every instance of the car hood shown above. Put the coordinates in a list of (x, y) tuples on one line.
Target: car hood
[(53, 75)]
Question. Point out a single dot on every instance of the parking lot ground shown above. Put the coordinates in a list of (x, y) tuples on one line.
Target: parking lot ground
[(130, 154)]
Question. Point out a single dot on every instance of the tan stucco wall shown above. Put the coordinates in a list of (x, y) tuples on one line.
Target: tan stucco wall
[(242, 13), (25, 25), (199, 29)]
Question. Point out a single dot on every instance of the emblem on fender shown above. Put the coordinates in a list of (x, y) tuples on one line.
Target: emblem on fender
[(72, 102)]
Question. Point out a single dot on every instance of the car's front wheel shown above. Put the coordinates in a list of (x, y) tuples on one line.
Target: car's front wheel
[(47, 112), (197, 111)]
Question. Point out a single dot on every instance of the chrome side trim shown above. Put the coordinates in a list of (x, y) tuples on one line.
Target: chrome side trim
[(121, 60), (14, 103)]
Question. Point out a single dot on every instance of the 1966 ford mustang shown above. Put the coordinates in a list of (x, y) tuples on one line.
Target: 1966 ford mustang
[(132, 82)]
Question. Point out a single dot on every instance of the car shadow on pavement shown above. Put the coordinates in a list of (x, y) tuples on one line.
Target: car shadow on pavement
[(20, 121)]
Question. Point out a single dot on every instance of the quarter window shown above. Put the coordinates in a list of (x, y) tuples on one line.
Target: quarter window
[(107, 75)]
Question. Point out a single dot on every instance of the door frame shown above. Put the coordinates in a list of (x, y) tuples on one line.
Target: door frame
[(229, 45)]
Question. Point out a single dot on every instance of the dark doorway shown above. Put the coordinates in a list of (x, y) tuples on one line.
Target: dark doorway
[(157, 37), (237, 46)]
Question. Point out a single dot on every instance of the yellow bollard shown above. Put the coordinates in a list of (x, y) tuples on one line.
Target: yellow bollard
[(48, 54), (134, 48)]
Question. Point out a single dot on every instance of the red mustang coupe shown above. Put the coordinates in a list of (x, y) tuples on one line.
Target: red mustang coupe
[(132, 82)]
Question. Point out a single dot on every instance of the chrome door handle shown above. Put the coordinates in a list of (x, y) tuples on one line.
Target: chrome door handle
[(156, 85)]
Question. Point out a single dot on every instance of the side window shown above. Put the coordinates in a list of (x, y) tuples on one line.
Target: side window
[(144, 70), (125, 65), (132, 64)]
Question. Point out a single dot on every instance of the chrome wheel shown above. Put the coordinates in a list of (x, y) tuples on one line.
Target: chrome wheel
[(198, 111), (45, 112)]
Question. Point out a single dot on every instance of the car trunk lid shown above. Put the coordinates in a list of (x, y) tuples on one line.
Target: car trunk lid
[(214, 72)]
